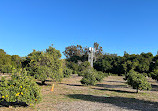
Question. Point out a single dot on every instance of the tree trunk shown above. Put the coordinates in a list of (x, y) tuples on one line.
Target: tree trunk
[(43, 82), (137, 90)]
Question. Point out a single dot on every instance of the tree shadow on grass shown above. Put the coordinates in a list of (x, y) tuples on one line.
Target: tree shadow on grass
[(154, 87), (48, 80), (4, 103), (115, 90), (111, 86), (126, 103), (40, 84), (72, 84), (116, 81)]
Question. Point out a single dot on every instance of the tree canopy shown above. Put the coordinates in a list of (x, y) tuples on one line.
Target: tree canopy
[(44, 64), (8, 62)]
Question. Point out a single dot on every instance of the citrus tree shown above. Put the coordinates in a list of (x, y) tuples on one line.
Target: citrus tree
[(138, 81), (91, 76), (44, 64), (20, 88)]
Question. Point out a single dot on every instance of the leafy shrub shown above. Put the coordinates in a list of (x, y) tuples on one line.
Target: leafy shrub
[(6, 69), (83, 66), (91, 76), (154, 74), (100, 76), (144, 74), (74, 72), (67, 72), (44, 64), (138, 81), (73, 66), (81, 73), (20, 88)]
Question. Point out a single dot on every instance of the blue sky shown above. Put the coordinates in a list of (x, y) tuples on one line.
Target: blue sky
[(117, 25)]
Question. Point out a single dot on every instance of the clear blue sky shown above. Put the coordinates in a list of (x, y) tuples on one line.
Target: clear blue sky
[(117, 25)]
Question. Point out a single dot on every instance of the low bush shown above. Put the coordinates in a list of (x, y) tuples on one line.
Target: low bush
[(20, 88), (6, 69), (144, 74), (67, 72), (73, 66), (138, 81), (154, 75), (91, 76), (82, 67), (100, 76)]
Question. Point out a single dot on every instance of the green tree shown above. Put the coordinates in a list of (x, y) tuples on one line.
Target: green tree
[(6, 68), (145, 60), (99, 50), (20, 88), (67, 72), (16, 61), (138, 81), (44, 64), (5, 62), (154, 74), (73, 66), (84, 65), (91, 76), (104, 63), (74, 53), (2, 52), (130, 65)]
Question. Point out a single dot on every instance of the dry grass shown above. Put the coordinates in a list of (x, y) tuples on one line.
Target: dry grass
[(111, 94)]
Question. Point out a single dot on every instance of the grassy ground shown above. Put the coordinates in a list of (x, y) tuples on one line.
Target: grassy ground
[(111, 94)]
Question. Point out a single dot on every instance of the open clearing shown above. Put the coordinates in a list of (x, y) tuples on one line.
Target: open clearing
[(112, 94)]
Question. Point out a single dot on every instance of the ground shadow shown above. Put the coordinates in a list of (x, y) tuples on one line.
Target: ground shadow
[(4, 103), (111, 86), (40, 84), (48, 80), (115, 90), (154, 87), (126, 103), (72, 84), (116, 81)]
